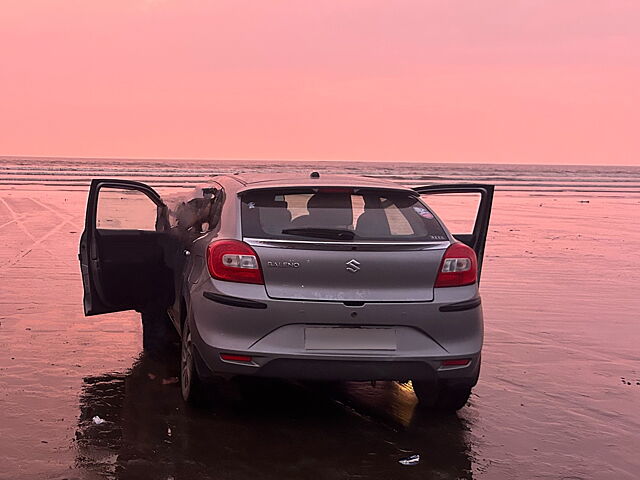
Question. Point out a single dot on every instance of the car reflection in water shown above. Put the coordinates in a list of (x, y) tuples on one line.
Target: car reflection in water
[(261, 429)]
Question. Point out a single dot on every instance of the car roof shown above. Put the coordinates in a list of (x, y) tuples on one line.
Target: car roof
[(259, 181)]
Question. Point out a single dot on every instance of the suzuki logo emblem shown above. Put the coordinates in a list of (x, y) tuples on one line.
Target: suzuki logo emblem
[(353, 265)]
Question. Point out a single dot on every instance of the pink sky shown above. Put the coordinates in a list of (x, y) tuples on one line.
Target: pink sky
[(510, 81)]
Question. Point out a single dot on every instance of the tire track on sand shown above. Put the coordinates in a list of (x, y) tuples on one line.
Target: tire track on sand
[(35, 241)]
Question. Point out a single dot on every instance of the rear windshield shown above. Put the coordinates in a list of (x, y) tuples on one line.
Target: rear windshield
[(338, 214)]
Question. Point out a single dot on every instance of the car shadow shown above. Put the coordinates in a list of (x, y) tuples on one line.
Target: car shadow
[(259, 428)]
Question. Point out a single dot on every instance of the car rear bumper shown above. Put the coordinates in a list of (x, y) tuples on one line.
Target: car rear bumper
[(274, 334), (340, 368)]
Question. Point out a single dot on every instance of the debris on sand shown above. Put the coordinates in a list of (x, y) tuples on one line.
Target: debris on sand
[(412, 460), (97, 420)]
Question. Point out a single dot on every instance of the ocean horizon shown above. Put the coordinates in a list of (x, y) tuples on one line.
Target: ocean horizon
[(540, 178)]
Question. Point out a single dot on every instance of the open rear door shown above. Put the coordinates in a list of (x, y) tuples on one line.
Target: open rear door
[(461, 202), (121, 249)]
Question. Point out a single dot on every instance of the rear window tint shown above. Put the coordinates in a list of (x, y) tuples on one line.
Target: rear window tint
[(361, 214)]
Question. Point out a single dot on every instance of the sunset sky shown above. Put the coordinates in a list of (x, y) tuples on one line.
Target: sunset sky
[(492, 81)]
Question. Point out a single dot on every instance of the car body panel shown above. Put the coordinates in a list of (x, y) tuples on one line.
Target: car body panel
[(425, 334), (347, 275), (239, 328)]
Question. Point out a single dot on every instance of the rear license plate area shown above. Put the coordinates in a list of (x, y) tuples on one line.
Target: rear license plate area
[(347, 338)]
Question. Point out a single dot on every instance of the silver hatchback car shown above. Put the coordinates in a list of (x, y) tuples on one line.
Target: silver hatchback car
[(302, 277)]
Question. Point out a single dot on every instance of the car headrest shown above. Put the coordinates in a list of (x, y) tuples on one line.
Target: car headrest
[(274, 216), (330, 210)]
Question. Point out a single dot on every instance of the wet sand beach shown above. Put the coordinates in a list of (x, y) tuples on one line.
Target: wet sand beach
[(557, 398)]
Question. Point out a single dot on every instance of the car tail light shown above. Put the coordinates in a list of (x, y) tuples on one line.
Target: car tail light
[(456, 362), (234, 261), (459, 267), (228, 357)]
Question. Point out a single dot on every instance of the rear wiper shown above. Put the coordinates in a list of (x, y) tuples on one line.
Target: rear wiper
[(331, 233)]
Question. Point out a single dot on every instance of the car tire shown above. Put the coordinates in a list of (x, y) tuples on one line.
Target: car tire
[(159, 336), (191, 384), (441, 396)]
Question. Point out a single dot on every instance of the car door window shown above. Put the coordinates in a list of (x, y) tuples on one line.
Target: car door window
[(124, 209), (458, 211), (198, 212), (465, 209)]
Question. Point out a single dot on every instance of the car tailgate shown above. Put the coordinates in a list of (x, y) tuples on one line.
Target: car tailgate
[(401, 275)]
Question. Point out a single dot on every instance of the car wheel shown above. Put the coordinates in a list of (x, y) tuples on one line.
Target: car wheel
[(190, 382), (441, 397), (159, 336)]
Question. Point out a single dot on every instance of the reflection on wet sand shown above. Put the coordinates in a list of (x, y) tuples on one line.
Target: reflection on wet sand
[(262, 429)]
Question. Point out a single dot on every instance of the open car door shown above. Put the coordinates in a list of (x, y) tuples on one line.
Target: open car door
[(121, 249), (458, 205)]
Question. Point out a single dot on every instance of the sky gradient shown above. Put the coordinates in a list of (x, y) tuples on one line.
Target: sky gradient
[(492, 81)]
